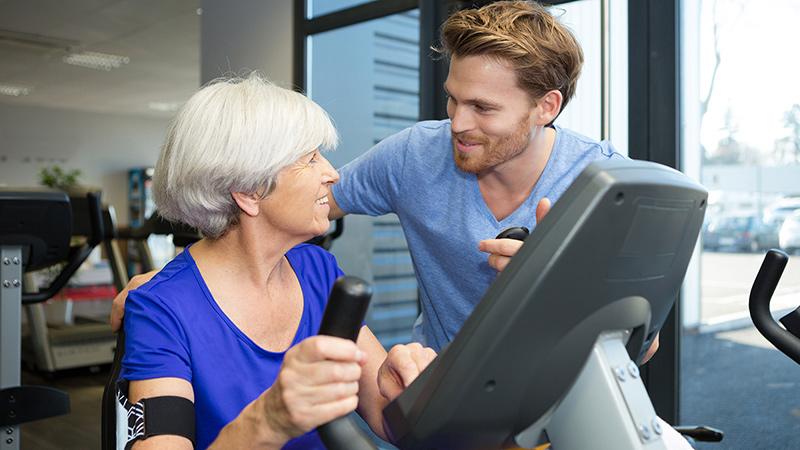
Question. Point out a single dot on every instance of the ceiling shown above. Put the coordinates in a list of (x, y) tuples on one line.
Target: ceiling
[(161, 38)]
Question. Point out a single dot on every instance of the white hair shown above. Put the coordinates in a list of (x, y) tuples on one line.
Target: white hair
[(233, 135)]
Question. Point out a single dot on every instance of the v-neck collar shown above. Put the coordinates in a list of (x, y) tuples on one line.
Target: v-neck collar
[(535, 193)]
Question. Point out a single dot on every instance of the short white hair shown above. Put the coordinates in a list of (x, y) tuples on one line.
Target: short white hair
[(233, 135)]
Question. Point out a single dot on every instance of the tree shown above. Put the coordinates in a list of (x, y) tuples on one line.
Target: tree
[(791, 143), (729, 149), (704, 102)]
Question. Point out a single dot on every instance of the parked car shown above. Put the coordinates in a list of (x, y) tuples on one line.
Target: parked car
[(782, 209), (789, 236), (740, 233)]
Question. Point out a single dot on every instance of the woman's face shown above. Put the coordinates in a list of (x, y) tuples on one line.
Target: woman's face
[(299, 203)]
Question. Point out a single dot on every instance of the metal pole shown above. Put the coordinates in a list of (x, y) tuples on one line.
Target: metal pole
[(10, 332)]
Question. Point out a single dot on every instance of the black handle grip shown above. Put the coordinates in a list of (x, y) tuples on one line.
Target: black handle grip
[(344, 314), (518, 233), (760, 297), (701, 433)]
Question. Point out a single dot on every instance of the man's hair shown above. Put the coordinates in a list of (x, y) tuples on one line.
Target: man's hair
[(543, 52)]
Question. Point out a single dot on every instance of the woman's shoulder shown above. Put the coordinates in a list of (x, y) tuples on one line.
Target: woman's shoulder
[(172, 284), (313, 263), (312, 254)]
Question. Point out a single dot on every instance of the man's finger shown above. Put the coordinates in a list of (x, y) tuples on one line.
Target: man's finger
[(505, 247), (542, 209), (498, 262)]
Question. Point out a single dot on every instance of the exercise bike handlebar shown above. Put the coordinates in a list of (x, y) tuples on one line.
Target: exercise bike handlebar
[(344, 314), (760, 297)]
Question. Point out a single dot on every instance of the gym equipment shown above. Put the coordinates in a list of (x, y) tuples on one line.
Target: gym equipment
[(518, 233), (786, 340), (343, 317), (553, 344), (87, 342), (35, 231)]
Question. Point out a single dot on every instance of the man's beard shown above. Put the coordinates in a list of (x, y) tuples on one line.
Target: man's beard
[(493, 153)]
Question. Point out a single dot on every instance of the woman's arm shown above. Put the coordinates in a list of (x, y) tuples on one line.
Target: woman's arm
[(317, 383), (158, 387)]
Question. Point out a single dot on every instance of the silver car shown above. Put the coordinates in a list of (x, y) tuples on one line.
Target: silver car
[(789, 236)]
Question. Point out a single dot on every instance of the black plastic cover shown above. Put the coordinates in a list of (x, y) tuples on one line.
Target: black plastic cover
[(610, 255), (40, 220)]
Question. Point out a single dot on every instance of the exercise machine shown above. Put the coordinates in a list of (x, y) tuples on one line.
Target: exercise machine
[(786, 338), (553, 346), (88, 341), (35, 232)]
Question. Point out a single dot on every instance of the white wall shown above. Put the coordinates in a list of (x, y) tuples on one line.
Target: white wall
[(102, 146), (238, 35)]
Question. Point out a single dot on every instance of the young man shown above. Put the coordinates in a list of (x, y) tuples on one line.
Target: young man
[(454, 183)]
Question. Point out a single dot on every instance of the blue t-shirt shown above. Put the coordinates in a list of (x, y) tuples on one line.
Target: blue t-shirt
[(444, 215), (174, 328)]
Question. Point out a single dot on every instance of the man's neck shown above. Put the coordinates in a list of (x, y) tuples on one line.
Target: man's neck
[(506, 186)]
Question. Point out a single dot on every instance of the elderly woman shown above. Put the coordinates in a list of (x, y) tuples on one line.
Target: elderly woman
[(230, 323)]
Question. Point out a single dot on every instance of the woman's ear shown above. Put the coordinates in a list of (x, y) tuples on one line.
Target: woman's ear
[(249, 203)]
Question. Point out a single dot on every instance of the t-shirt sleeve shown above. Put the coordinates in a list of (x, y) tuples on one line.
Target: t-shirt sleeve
[(371, 183), (155, 344)]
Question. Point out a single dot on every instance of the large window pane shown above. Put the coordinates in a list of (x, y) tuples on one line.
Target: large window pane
[(318, 8), (367, 77), (745, 148)]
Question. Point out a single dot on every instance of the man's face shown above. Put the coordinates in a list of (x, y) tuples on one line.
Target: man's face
[(490, 113)]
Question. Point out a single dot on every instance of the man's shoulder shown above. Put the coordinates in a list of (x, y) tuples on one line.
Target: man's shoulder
[(574, 142)]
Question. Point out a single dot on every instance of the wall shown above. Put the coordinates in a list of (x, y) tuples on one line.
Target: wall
[(102, 146), (239, 35)]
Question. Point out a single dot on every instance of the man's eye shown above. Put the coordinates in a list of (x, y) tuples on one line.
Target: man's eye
[(480, 108)]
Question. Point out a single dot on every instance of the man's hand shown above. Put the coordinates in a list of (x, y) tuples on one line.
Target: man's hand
[(501, 250), (118, 306), (652, 350), (402, 366)]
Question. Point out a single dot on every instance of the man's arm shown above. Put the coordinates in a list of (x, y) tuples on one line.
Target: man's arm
[(335, 212)]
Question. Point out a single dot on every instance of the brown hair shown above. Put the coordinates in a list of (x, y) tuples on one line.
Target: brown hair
[(543, 52)]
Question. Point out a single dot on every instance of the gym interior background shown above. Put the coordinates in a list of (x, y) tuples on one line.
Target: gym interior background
[(706, 86)]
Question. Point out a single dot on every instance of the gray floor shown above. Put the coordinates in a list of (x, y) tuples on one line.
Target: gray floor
[(732, 381), (736, 382), (80, 430)]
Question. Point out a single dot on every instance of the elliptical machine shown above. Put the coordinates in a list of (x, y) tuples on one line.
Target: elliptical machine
[(786, 339), (35, 231)]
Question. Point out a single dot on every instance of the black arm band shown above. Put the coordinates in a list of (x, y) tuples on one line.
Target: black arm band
[(156, 416)]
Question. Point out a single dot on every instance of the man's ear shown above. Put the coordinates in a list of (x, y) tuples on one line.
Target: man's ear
[(547, 107), (250, 204)]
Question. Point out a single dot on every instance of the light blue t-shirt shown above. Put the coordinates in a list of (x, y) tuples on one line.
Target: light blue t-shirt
[(175, 328), (444, 215)]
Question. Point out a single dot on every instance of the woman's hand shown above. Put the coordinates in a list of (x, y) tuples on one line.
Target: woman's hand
[(317, 383), (402, 366)]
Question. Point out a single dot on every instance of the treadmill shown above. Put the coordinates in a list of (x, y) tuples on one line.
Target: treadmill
[(35, 231), (553, 346), (88, 341)]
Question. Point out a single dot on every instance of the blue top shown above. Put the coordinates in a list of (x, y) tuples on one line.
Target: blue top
[(174, 328), (444, 215)]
